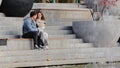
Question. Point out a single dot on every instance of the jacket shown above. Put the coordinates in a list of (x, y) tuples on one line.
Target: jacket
[(29, 25)]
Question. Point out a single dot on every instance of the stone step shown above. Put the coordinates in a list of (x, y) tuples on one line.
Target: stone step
[(50, 32), (3, 48), (2, 15), (66, 22), (29, 47), (65, 42), (59, 32), (51, 41), (9, 27), (56, 62), (77, 45), (20, 23), (71, 36), (9, 36), (24, 44), (59, 27), (19, 44), (51, 57), (54, 5), (47, 27), (11, 19), (67, 14), (7, 32), (57, 57), (106, 51), (27, 44)]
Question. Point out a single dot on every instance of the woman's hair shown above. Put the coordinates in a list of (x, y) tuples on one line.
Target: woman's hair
[(42, 18)]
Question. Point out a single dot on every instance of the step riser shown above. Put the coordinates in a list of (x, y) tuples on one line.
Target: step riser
[(54, 23), (51, 42), (49, 5), (53, 57), (29, 47), (59, 62), (47, 28), (19, 32), (70, 46), (59, 27), (20, 24), (50, 36), (106, 51)]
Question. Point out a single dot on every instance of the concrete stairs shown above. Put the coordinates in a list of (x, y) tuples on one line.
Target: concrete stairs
[(61, 38), (64, 47), (29, 58)]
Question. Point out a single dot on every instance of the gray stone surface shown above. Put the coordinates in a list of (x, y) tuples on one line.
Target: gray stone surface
[(101, 34), (66, 15), (55, 5), (2, 15), (0, 2)]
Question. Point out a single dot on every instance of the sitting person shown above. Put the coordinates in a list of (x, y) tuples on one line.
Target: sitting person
[(29, 28), (41, 26)]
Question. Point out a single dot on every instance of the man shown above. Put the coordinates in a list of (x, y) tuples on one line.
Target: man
[(29, 28)]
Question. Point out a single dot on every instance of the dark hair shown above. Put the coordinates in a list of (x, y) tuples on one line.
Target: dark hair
[(39, 11), (32, 13)]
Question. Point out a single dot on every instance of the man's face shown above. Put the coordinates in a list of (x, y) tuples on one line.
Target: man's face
[(34, 17)]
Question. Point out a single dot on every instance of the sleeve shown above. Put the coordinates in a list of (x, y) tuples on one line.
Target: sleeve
[(29, 26)]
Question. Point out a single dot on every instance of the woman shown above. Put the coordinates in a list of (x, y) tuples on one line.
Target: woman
[(41, 26)]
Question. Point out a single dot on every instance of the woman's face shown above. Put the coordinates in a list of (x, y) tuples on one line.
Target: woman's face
[(39, 15)]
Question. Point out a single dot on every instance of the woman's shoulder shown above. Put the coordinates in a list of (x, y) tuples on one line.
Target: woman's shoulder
[(41, 21)]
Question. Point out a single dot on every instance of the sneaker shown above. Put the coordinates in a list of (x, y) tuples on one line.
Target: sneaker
[(46, 47), (36, 47), (40, 46)]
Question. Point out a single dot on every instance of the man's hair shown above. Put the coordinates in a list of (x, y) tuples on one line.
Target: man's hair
[(32, 13)]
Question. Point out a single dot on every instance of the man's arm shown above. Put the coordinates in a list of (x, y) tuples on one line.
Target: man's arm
[(29, 26)]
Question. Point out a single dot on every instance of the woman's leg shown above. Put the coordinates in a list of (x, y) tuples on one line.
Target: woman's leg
[(45, 37)]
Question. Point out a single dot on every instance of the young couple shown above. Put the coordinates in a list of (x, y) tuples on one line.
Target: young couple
[(33, 27)]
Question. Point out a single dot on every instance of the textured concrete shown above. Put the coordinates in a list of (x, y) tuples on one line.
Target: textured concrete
[(2, 15), (67, 14), (64, 56), (102, 33), (71, 36), (56, 5), (59, 27), (63, 44)]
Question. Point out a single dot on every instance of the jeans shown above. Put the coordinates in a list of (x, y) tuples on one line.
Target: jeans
[(33, 35)]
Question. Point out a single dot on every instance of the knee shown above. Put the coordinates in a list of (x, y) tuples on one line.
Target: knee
[(45, 34), (35, 32)]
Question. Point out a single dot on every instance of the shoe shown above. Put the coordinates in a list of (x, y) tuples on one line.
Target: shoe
[(40, 46), (36, 47), (46, 47)]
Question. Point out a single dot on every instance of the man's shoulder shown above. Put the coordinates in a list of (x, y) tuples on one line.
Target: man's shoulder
[(28, 19)]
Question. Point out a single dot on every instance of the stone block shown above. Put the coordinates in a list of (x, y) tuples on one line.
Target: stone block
[(101, 34)]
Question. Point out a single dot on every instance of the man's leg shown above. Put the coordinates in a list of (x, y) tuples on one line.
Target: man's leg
[(33, 35)]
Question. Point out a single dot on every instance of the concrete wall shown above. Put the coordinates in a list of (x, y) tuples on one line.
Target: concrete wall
[(55, 5), (101, 34), (67, 14)]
